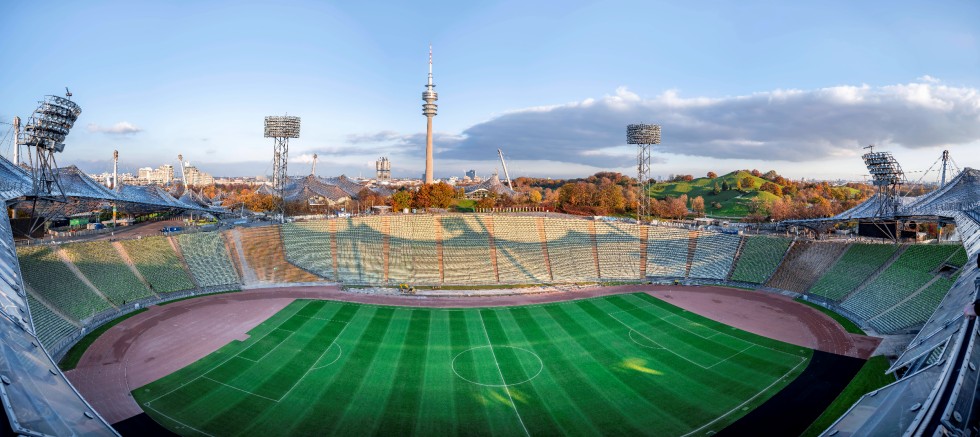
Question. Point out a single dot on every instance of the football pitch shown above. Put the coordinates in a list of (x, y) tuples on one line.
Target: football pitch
[(624, 364)]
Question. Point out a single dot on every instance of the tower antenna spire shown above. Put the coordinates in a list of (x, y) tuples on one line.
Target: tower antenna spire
[(429, 110)]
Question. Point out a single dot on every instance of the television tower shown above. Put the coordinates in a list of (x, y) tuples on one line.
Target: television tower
[(429, 111)]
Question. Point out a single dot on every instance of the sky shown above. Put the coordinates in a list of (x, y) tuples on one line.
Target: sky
[(798, 87)]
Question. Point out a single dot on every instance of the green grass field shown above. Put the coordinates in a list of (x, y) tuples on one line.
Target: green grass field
[(626, 364)]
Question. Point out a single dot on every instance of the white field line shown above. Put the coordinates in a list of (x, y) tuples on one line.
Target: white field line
[(177, 421), (313, 366), (712, 335), (240, 389), (802, 360), (733, 356), (502, 381), (654, 342)]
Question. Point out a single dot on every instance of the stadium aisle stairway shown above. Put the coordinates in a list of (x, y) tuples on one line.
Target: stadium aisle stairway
[(46, 273), (105, 268), (157, 261)]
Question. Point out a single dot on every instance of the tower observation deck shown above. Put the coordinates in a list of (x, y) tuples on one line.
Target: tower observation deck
[(429, 110)]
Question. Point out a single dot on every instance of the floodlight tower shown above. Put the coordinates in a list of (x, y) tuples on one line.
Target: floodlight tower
[(281, 129), (44, 135), (643, 136), (887, 177), (429, 110)]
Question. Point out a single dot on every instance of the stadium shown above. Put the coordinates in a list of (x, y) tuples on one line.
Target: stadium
[(668, 328), (293, 303)]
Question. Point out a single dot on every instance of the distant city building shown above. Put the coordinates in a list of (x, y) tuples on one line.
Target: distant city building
[(195, 177), (163, 174), (471, 174), (382, 168)]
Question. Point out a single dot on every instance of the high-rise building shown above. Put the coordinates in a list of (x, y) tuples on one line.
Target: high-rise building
[(429, 111), (163, 174), (382, 168), (471, 174), (195, 177)]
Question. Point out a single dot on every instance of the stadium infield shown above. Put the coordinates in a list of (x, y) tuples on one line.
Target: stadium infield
[(621, 364)]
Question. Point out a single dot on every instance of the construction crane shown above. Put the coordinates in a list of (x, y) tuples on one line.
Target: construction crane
[(504, 164)]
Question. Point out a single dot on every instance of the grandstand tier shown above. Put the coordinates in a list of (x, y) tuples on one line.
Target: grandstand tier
[(759, 258), (157, 261), (859, 262), (466, 255), (264, 254), (805, 263), (47, 275), (308, 245), (667, 252), (105, 268), (207, 258), (714, 255)]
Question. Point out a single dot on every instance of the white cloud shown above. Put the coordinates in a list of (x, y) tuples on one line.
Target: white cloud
[(120, 128), (782, 125)]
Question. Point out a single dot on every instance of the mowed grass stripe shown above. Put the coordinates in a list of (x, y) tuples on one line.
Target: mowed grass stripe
[(501, 415), (436, 413), (361, 413), (469, 399), (400, 409)]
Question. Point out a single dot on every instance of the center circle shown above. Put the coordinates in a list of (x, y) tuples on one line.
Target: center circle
[(497, 366)]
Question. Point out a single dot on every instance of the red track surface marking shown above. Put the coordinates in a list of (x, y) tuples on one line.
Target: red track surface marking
[(164, 339)]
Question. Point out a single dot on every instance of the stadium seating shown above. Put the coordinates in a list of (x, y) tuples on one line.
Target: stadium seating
[(805, 263), (667, 250), (413, 258), (307, 245), (714, 255), (360, 250), (264, 254), (910, 272), (156, 260), (570, 250), (959, 257), (207, 258), (915, 311), (853, 268), (50, 277), (466, 251), (51, 329), (618, 245), (759, 258), (105, 268), (520, 259)]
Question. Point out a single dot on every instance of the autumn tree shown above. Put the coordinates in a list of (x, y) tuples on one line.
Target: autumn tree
[(712, 175), (400, 200), (534, 196), (747, 183), (442, 194), (697, 204)]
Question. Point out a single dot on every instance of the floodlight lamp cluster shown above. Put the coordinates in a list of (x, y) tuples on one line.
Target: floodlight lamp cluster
[(50, 124), (884, 169), (281, 127), (643, 134)]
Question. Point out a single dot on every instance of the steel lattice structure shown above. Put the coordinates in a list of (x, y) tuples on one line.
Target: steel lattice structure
[(644, 136), (887, 177), (44, 135), (281, 129)]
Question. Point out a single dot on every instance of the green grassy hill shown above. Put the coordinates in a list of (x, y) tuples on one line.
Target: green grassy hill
[(734, 203)]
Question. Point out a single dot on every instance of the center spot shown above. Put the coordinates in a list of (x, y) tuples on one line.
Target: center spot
[(497, 366)]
